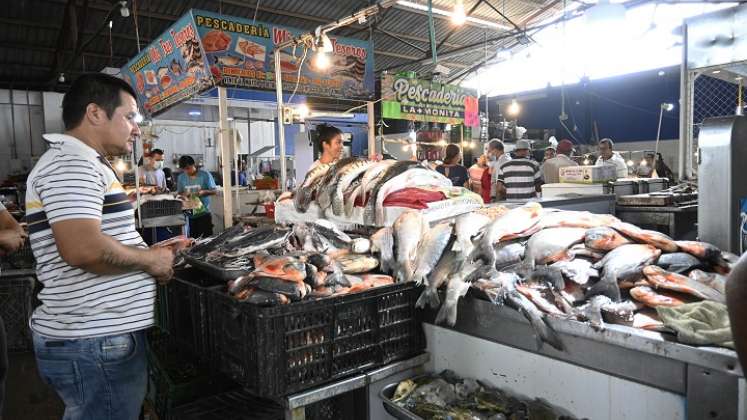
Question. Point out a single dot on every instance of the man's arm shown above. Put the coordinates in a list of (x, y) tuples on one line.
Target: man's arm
[(8, 222), (208, 185), (736, 296), (102, 254)]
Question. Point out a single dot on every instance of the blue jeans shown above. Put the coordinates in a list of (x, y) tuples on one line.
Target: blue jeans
[(103, 378)]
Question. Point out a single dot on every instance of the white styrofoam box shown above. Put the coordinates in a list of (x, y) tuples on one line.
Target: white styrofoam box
[(564, 189), (588, 174)]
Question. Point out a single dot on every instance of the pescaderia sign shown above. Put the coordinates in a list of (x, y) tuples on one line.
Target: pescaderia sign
[(406, 98)]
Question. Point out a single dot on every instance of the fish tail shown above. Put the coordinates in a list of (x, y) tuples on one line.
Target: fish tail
[(448, 313), (429, 297), (544, 332), (606, 286)]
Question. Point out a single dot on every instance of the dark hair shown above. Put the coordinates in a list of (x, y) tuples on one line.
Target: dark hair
[(608, 141), (326, 133), (495, 145), (185, 161), (92, 88), (452, 152), (156, 152)]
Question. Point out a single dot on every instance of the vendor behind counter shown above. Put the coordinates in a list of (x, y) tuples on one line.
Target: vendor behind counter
[(197, 182)]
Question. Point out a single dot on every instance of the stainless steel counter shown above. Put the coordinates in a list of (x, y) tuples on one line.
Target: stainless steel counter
[(600, 204), (706, 377)]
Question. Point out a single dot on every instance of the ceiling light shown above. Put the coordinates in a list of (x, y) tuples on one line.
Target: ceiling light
[(458, 17), (738, 78), (514, 109), (630, 162), (194, 113), (667, 107), (716, 71), (123, 10), (61, 79), (111, 23), (662, 73), (303, 111), (424, 8), (321, 61)]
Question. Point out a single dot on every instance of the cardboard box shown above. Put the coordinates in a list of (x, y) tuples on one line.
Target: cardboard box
[(570, 190), (588, 174)]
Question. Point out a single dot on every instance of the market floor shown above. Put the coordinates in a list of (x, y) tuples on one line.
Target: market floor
[(27, 396)]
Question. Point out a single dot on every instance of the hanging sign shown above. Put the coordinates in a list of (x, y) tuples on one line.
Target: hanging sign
[(406, 98)]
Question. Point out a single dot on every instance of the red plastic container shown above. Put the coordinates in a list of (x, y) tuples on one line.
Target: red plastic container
[(270, 210)]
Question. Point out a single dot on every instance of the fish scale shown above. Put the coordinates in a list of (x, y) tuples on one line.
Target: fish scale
[(324, 196), (347, 176), (392, 171), (309, 186)]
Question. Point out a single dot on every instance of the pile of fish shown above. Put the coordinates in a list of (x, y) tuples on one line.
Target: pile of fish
[(279, 265), (549, 263), (446, 396), (340, 185)]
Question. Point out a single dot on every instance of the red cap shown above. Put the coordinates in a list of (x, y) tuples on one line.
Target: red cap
[(565, 147)]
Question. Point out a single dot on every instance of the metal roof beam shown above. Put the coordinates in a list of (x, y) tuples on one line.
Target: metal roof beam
[(13, 45)]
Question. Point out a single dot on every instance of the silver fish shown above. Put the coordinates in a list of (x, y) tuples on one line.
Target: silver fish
[(392, 171), (309, 187), (440, 274), (467, 226), (455, 289), (329, 182), (678, 262), (409, 228), (537, 319), (414, 177), (622, 263), (512, 222), (551, 245), (430, 250), (368, 179), (332, 233), (577, 270), (383, 242), (345, 177), (357, 264), (509, 253)]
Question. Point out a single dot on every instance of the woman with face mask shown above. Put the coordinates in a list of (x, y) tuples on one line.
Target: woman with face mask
[(153, 171)]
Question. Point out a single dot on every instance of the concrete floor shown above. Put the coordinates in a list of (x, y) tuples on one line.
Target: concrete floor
[(27, 396)]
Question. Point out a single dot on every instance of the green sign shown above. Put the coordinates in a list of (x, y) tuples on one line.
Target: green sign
[(405, 98)]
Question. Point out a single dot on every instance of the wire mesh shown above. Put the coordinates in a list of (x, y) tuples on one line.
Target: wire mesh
[(713, 97)]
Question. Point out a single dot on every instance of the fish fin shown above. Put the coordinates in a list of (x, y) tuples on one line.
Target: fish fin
[(448, 313), (429, 297), (543, 331), (607, 286), (419, 279)]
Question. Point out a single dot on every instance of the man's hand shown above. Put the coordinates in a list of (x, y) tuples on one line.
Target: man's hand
[(160, 265), (11, 240), (204, 193)]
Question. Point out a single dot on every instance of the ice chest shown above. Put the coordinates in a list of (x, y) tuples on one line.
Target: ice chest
[(588, 174), (566, 189)]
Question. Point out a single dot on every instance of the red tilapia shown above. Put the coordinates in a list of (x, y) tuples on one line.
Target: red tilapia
[(662, 279), (651, 237), (653, 299), (576, 219), (712, 280), (604, 239), (702, 250), (285, 268)]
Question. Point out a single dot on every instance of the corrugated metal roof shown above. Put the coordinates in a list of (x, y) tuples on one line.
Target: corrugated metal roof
[(32, 29)]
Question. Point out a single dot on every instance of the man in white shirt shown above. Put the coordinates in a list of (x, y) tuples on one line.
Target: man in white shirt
[(497, 156), (608, 157)]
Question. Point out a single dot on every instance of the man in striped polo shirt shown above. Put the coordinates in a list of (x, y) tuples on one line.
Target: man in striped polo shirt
[(98, 275), (520, 178)]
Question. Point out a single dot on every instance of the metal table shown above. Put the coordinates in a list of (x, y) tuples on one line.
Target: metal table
[(679, 222), (707, 377), (600, 204), (295, 405)]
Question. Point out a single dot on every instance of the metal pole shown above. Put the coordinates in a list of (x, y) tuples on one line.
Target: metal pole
[(281, 126), (658, 131), (225, 153), (371, 130), (432, 32), (138, 143), (684, 107)]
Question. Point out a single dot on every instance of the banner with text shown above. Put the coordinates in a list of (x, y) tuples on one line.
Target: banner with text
[(405, 98)]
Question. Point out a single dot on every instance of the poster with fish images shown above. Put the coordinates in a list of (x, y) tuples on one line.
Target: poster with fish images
[(171, 69), (239, 53), (405, 98)]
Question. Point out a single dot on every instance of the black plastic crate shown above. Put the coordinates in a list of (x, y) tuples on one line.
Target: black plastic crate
[(187, 312), (21, 259), (177, 377), (15, 309), (160, 208), (285, 349)]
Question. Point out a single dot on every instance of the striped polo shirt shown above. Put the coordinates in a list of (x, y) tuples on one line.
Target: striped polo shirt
[(72, 181), (520, 176)]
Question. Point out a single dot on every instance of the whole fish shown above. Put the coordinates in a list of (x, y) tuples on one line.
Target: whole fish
[(309, 187), (369, 177), (357, 264), (545, 333), (466, 227), (262, 298), (281, 267), (345, 177), (650, 298), (497, 287), (370, 281), (648, 319), (331, 232), (390, 172), (514, 221), (712, 280), (292, 289), (551, 245), (417, 176), (239, 284), (258, 239), (383, 242), (540, 301), (350, 194), (577, 219), (360, 245), (591, 312), (622, 263), (438, 277), (509, 253), (577, 270), (455, 289), (702, 250), (662, 279), (604, 239), (204, 246), (581, 251), (678, 262), (429, 251), (324, 196), (651, 237), (408, 230)]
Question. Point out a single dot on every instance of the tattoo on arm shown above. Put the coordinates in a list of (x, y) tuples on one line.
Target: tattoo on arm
[(113, 257)]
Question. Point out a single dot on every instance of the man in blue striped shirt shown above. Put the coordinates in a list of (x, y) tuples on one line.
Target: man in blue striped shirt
[(520, 178), (98, 274)]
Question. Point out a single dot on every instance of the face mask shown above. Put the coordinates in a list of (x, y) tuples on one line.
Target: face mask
[(492, 158), (159, 164)]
